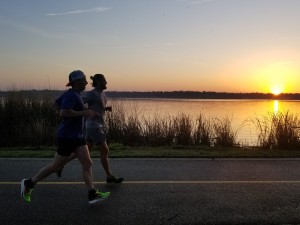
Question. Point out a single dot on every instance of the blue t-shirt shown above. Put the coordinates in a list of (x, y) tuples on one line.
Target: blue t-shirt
[(71, 127)]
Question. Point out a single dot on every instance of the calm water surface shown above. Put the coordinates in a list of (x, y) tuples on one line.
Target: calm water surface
[(240, 112)]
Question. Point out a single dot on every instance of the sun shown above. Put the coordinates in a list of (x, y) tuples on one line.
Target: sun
[(276, 90)]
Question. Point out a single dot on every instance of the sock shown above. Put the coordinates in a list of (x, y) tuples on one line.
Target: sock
[(92, 191), (29, 183)]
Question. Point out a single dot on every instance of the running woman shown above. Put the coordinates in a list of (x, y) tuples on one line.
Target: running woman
[(95, 134)]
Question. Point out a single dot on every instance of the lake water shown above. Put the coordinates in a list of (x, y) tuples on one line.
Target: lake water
[(240, 112)]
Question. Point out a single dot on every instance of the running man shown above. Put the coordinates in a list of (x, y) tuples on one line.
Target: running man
[(70, 140), (95, 134)]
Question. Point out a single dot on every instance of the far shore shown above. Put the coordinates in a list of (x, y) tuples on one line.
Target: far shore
[(166, 94)]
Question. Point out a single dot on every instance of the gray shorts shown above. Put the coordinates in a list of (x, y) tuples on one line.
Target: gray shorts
[(95, 135)]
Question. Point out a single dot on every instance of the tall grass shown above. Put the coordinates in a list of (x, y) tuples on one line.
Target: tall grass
[(203, 131), (278, 131), (183, 127), (158, 130), (115, 123), (223, 132), (127, 124), (27, 120)]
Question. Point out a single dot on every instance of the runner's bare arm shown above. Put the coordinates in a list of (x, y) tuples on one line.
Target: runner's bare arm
[(73, 113)]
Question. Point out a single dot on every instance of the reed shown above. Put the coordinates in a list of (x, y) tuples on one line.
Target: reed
[(115, 122), (26, 120), (134, 129), (203, 131), (224, 134), (183, 127), (278, 130), (158, 131)]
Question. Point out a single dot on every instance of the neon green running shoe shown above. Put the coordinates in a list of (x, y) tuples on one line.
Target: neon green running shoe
[(26, 190), (96, 196)]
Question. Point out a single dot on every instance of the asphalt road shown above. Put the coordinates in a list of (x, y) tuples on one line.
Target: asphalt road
[(157, 191)]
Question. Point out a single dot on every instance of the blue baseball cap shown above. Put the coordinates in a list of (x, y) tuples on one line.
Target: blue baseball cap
[(75, 75)]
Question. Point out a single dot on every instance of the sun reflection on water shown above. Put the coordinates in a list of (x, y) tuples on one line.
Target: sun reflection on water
[(276, 106)]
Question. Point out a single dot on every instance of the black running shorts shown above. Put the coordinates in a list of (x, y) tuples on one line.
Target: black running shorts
[(66, 147)]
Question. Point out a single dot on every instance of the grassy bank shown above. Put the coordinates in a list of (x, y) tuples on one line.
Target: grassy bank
[(120, 151)]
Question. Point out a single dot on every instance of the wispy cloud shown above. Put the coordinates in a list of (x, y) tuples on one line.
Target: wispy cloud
[(81, 11), (195, 2), (200, 2)]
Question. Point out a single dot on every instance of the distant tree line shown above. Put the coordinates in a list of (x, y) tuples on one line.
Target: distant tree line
[(200, 95), (170, 94)]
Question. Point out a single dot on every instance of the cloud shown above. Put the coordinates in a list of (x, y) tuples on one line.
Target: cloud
[(193, 2), (81, 11), (196, 2), (200, 2)]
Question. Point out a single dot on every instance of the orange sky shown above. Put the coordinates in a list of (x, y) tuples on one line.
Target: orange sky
[(197, 45)]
